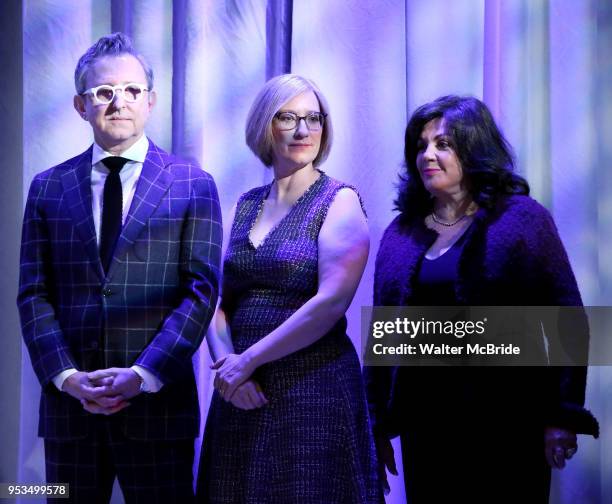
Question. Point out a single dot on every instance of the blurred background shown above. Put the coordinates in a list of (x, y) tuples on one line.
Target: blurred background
[(543, 67)]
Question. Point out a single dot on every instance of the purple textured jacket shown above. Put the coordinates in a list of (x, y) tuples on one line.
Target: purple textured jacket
[(513, 256)]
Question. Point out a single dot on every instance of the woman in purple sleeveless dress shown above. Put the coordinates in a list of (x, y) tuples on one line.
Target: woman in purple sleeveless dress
[(288, 421)]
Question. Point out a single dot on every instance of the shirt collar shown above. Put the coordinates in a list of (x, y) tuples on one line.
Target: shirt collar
[(136, 153)]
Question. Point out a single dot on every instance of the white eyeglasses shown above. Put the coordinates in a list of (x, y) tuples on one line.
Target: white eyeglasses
[(105, 94)]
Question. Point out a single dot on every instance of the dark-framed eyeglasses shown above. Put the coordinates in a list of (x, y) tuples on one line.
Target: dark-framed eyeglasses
[(286, 121), (105, 94)]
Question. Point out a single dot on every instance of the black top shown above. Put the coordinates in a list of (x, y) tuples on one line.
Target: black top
[(436, 278)]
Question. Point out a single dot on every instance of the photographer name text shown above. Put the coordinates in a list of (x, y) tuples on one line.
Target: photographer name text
[(446, 349)]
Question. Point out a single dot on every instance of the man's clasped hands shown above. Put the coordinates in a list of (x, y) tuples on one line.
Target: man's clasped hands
[(104, 391)]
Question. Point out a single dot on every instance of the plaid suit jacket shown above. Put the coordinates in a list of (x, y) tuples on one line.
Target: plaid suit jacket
[(151, 309)]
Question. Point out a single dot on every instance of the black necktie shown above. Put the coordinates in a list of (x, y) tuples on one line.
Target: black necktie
[(112, 209)]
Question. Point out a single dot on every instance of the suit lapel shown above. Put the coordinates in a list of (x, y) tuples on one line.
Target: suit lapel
[(77, 191), (152, 184)]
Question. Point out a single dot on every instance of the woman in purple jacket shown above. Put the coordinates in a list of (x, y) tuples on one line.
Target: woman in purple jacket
[(469, 234)]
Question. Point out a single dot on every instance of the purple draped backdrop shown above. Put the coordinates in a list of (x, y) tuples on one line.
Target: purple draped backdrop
[(542, 66)]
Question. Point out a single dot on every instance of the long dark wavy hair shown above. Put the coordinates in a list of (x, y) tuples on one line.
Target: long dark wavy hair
[(487, 159)]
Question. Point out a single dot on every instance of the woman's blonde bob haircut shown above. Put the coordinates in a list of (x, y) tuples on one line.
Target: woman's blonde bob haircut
[(274, 94)]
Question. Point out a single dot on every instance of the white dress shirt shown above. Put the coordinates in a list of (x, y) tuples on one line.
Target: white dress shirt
[(129, 175)]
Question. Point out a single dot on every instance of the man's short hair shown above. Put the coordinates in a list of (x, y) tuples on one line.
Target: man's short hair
[(274, 94), (114, 44)]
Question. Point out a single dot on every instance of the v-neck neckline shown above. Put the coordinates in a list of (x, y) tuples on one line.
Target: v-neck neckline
[(271, 231), (457, 243)]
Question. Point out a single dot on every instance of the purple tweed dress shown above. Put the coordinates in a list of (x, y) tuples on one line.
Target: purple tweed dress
[(312, 443)]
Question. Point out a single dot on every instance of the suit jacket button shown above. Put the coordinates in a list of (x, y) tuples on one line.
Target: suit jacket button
[(94, 345), (106, 292)]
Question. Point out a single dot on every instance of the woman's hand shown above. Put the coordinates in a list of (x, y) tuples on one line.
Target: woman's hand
[(232, 370), (559, 445), (386, 460), (249, 396)]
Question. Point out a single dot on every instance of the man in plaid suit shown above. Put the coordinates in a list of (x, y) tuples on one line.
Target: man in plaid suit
[(111, 319)]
